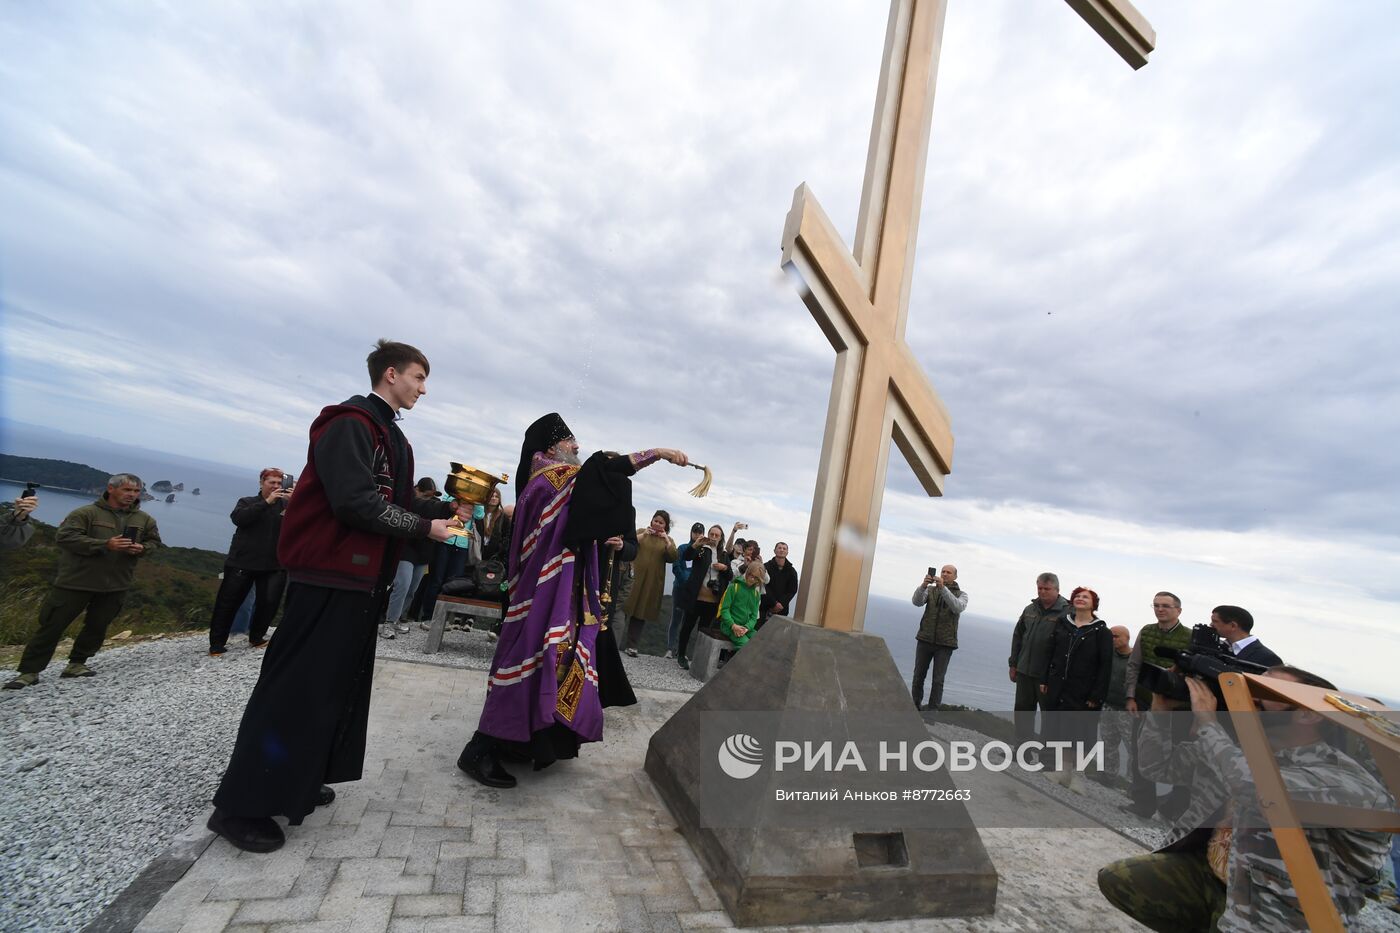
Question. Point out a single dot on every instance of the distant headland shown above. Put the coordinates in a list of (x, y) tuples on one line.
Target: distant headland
[(66, 476)]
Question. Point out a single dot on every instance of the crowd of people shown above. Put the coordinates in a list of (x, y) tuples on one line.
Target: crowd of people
[(1220, 867), (354, 549)]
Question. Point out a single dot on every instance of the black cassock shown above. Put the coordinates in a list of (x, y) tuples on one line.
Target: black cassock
[(600, 507), (305, 723)]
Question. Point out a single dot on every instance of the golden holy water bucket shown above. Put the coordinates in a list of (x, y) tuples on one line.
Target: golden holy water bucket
[(472, 486)]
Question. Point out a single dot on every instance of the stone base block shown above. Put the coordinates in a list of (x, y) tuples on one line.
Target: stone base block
[(769, 873)]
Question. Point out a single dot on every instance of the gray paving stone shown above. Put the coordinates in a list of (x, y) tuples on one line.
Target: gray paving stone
[(372, 915), (427, 905), (315, 877), (277, 910), (209, 917), (311, 926), (428, 834), (664, 923), (496, 866), (631, 912), (442, 925), (565, 912), (671, 901), (396, 841), (450, 877), (363, 869), (479, 896)]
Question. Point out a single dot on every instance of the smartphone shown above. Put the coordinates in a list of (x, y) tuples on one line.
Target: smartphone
[(132, 533), (287, 482), (29, 491), (932, 572)]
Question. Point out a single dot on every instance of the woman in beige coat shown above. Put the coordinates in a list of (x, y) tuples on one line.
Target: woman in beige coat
[(655, 552)]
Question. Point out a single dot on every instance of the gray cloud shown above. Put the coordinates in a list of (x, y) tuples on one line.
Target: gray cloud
[(1162, 295)]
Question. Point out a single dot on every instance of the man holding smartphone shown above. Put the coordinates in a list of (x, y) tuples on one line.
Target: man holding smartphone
[(98, 548), (15, 528), (252, 562), (943, 601)]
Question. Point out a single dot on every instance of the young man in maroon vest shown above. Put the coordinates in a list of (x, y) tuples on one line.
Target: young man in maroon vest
[(348, 517)]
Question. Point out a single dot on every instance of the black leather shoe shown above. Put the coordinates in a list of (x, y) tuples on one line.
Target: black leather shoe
[(249, 833), (484, 768), (325, 796)]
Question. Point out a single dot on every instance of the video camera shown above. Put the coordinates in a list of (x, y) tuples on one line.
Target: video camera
[(1207, 656)]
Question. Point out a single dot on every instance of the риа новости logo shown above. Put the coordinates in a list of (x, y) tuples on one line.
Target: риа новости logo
[(740, 756)]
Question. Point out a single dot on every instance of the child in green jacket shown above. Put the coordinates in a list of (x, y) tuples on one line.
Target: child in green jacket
[(738, 610)]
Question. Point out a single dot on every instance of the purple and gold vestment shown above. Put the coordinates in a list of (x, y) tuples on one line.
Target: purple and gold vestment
[(544, 674)]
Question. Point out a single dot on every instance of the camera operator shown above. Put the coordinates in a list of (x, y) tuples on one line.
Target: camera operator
[(15, 529), (1221, 867)]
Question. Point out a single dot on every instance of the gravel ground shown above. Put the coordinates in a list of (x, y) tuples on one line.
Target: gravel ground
[(98, 774)]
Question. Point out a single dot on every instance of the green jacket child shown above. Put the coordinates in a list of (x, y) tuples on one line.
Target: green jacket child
[(738, 610)]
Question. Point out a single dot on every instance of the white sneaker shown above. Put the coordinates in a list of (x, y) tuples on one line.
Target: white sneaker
[(386, 631), (631, 652), (402, 628), (490, 636), (669, 655)]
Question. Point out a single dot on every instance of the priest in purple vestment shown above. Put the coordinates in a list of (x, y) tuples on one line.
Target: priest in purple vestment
[(542, 696)]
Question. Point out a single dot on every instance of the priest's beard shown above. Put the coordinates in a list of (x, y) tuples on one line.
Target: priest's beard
[(566, 456)]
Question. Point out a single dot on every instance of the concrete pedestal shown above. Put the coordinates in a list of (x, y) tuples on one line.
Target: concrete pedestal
[(704, 655), (845, 869)]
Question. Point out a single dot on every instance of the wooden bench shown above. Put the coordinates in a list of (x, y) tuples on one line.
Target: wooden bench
[(485, 609)]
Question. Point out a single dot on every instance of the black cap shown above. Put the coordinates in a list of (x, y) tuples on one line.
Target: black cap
[(543, 434)]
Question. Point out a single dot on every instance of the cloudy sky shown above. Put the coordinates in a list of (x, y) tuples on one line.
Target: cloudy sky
[(1158, 305)]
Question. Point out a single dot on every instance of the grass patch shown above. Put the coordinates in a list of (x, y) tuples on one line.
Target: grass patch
[(174, 589)]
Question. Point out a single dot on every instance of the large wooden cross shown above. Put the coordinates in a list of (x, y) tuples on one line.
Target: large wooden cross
[(861, 303)]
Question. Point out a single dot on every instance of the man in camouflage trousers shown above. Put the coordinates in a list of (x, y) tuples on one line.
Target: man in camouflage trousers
[(1221, 867)]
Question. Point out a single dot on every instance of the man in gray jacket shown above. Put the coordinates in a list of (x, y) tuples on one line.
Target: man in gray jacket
[(943, 601), (1030, 650)]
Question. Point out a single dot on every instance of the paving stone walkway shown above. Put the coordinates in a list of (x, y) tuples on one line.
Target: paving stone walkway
[(417, 847)]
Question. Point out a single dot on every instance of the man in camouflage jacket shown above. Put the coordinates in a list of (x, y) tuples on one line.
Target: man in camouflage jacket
[(1221, 867)]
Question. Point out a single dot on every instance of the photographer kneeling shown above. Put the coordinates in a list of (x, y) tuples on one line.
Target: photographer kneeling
[(1221, 867)]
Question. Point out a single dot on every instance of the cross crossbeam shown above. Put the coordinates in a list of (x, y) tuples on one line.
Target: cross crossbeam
[(860, 299)]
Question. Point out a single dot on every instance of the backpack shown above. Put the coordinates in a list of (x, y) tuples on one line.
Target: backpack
[(489, 575)]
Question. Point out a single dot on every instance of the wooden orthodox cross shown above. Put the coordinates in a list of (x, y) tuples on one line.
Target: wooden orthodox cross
[(861, 303)]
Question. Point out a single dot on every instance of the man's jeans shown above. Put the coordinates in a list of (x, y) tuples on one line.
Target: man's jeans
[(924, 653)]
